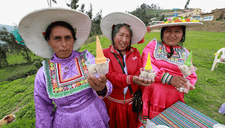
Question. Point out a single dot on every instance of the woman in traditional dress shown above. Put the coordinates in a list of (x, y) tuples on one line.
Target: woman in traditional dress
[(166, 56), (55, 34), (123, 30)]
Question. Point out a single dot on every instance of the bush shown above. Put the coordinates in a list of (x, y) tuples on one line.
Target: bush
[(38, 63), (23, 74)]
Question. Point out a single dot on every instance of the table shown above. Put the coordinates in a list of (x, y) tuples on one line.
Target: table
[(180, 115)]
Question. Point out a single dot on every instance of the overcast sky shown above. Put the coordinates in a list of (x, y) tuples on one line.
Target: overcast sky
[(11, 11)]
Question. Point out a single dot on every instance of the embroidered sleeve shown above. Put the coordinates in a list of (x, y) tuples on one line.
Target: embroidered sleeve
[(129, 79), (166, 78), (43, 104)]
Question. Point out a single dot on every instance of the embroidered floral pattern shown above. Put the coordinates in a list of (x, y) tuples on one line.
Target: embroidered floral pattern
[(178, 58), (57, 87)]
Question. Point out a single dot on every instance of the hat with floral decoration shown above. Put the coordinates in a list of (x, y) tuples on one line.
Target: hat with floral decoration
[(177, 22)]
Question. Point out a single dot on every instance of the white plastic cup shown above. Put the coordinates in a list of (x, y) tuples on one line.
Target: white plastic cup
[(97, 69)]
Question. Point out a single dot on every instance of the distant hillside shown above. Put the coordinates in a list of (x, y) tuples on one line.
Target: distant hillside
[(154, 12), (9, 29)]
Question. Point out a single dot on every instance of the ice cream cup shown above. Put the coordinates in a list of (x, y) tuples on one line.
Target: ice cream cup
[(187, 72), (97, 69), (147, 75), (218, 126)]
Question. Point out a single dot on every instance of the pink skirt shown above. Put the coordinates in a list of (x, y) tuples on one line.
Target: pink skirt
[(157, 97)]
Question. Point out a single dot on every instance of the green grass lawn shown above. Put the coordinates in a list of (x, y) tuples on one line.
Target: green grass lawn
[(17, 97), (209, 95)]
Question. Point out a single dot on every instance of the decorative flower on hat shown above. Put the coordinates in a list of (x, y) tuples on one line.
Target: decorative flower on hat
[(176, 19), (141, 41), (182, 21)]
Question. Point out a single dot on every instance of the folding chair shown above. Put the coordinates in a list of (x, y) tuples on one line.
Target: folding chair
[(216, 60)]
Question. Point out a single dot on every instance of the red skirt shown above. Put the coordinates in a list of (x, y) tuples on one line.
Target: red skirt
[(121, 114)]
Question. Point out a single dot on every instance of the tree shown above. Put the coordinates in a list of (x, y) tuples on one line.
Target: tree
[(12, 45), (144, 12), (3, 61), (82, 7), (162, 18), (54, 1), (143, 6), (8, 38), (140, 12), (186, 5), (49, 2), (153, 7), (73, 4), (157, 14), (96, 23), (89, 13)]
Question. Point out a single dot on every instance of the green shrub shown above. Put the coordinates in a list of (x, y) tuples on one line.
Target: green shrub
[(38, 63), (23, 74)]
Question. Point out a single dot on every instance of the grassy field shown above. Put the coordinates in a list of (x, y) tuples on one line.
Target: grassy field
[(17, 96)]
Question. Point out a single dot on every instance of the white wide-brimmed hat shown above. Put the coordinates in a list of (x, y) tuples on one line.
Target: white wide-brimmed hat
[(137, 26), (193, 23), (33, 25)]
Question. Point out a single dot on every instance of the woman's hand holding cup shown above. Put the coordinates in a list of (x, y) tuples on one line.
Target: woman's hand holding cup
[(98, 84), (143, 82)]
